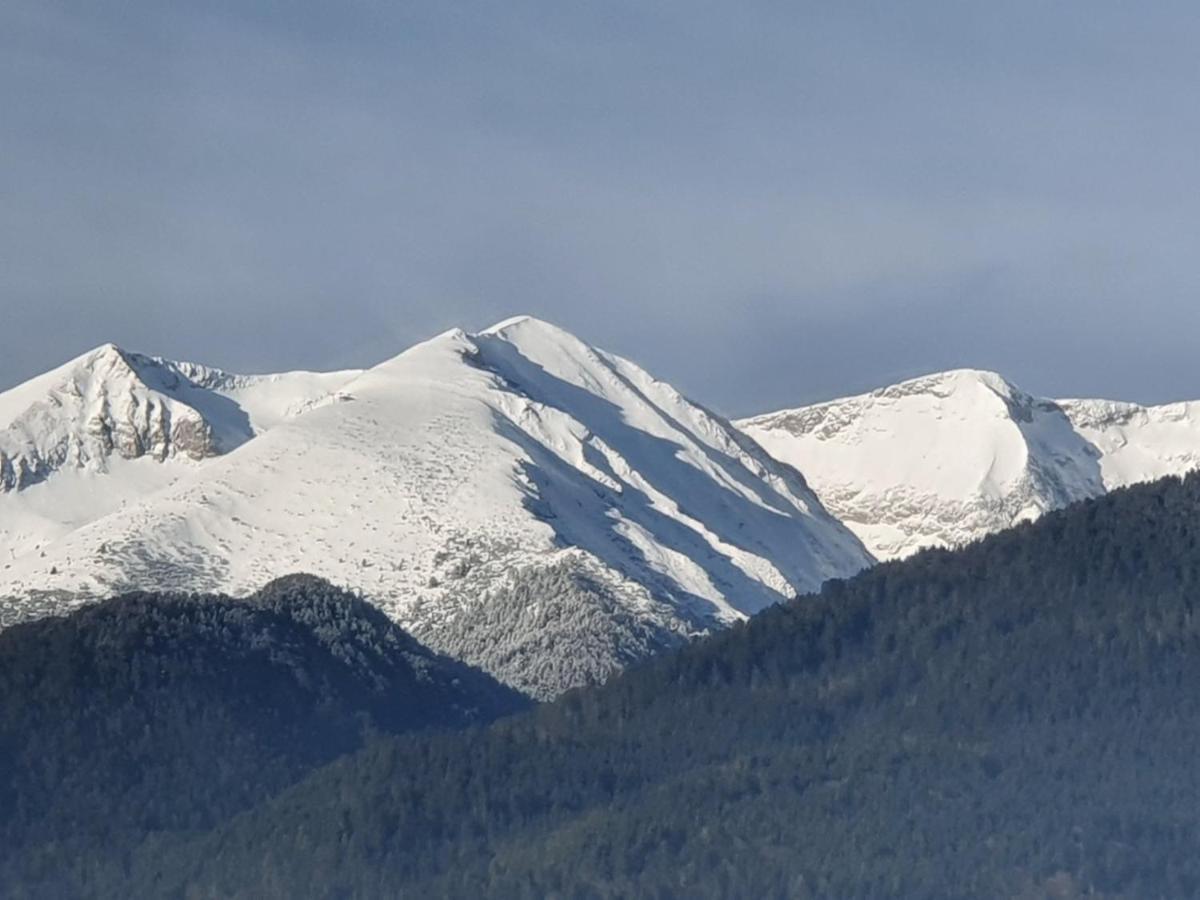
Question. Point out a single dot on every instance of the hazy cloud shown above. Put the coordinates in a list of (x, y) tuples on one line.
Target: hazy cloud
[(767, 203)]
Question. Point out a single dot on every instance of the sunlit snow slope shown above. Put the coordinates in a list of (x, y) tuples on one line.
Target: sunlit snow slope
[(948, 458), (515, 498), (111, 426)]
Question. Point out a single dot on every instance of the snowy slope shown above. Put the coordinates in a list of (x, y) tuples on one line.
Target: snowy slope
[(111, 426), (948, 458), (515, 497), (1138, 443)]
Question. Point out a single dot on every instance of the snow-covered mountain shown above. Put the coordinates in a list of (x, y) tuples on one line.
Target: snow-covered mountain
[(111, 426), (947, 458), (515, 497)]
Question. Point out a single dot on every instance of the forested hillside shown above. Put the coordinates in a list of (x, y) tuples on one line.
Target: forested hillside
[(1018, 718), (161, 713)]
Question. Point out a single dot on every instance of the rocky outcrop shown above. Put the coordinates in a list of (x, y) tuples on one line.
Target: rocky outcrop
[(99, 406)]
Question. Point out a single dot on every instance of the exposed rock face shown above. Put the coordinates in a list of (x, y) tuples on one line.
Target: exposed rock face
[(193, 436), (97, 407), (18, 471)]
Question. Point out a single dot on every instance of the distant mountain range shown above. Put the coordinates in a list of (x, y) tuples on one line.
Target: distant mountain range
[(518, 499), (945, 459)]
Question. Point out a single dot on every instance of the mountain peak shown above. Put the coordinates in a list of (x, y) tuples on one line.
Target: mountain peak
[(951, 456), (107, 357), (950, 383), (935, 460), (518, 321), (965, 373), (954, 393), (515, 497), (531, 331), (100, 357), (95, 407), (107, 349), (110, 403)]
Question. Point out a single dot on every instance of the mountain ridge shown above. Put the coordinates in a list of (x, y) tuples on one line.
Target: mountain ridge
[(453, 474), (451, 479), (111, 426), (946, 458)]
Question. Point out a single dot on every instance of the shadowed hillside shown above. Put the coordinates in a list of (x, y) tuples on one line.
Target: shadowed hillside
[(168, 713)]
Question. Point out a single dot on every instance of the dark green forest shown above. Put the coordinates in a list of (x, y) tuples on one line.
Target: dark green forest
[(160, 713), (1018, 718)]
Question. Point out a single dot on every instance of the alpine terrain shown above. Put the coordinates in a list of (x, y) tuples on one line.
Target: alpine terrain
[(948, 458), (515, 498), (1017, 718), (109, 427)]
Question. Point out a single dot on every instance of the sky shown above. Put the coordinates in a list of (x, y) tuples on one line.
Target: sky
[(766, 204)]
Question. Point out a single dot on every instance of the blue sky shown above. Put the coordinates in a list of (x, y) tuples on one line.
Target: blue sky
[(767, 204)]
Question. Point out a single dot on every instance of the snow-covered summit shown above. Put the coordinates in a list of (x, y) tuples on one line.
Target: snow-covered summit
[(515, 497), (111, 403), (103, 404), (111, 425), (949, 457)]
